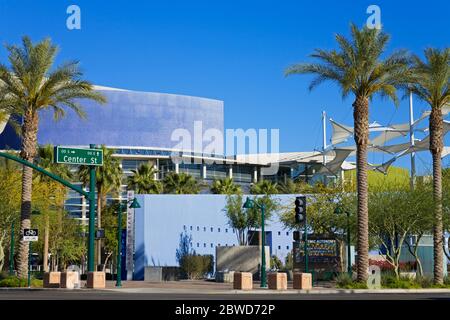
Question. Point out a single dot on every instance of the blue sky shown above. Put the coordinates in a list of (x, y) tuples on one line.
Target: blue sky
[(235, 51)]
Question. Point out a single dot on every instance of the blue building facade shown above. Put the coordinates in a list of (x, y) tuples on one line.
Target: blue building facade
[(162, 218), (132, 119)]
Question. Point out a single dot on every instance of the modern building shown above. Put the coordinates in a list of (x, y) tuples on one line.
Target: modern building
[(142, 128)]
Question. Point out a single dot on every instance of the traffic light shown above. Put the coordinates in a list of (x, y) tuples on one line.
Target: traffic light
[(300, 209)]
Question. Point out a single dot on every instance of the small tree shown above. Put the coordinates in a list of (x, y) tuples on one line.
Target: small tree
[(245, 220), (396, 213), (322, 216)]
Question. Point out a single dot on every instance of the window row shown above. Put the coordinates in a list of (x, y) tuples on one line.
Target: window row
[(191, 228)]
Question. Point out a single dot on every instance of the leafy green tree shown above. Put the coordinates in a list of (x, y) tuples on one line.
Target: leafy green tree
[(245, 220), (108, 179), (266, 187), (10, 179), (28, 86), (45, 161), (180, 183), (431, 84), (225, 186), (396, 213), (111, 225), (323, 218), (360, 68), (143, 180)]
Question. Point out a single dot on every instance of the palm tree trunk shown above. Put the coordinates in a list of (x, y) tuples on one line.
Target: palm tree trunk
[(361, 135), (28, 152), (436, 144)]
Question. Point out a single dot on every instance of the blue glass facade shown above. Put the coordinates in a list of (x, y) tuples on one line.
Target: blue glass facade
[(132, 119)]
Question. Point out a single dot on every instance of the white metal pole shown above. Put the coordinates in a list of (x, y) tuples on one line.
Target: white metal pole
[(324, 142), (411, 139)]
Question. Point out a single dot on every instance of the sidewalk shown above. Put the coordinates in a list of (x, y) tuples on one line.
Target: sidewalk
[(210, 287)]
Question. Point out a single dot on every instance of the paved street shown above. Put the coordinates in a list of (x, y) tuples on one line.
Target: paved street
[(209, 290)]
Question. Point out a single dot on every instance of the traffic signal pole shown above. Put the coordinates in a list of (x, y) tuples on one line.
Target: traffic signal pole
[(91, 199)]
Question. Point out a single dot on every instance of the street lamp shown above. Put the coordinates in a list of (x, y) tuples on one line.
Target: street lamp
[(134, 204), (338, 210), (249, 204)]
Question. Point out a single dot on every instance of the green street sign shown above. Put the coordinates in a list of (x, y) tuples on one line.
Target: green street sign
[(88, 157)]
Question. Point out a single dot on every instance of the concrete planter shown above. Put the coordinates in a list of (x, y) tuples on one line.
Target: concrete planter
[(243, 281), (225, 276), (96, 280), (52, 279), (277, 281)]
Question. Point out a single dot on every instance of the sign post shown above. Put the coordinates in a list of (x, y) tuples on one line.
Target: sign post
[(30, 235), (89, 157)]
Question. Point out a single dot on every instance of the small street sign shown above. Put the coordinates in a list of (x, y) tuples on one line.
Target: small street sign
[(89, 157), (30, 234)]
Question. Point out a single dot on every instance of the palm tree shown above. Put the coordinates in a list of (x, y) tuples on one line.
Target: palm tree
[(143, 180), (180, 183), (431, 84), (266, 187), (108, 179), (357, 68), (29, 86), (225, 186)]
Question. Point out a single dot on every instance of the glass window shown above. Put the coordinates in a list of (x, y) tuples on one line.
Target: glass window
[(204, 245), (198, 245), (211, 245), (279, 247), (287, 247), (287, 233), (218, 229), (198, 228), (191, 228), (279, 233), (212, 229), (226, 230), (204, 229)]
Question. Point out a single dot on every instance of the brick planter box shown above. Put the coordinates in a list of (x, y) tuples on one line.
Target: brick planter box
[(96, 280), (302, 281), (70, 280), (52, 279), (277, 281), (243, 281)]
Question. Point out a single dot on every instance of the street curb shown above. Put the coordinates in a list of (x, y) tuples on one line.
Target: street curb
[(289, 291)]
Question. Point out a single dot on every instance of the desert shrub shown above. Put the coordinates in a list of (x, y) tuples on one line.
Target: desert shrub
[(196, 266), (4, 275), (389, 280), (424, 281), (15, 282), (345, 281), (275, 263), (289, 261)]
